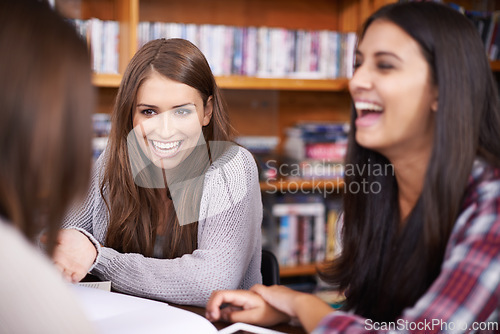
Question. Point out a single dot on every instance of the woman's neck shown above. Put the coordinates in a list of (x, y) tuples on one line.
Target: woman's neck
[(410, 171)]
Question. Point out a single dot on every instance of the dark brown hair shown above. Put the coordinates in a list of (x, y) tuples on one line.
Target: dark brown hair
[(136, 212), (384, 266), (46, 99)]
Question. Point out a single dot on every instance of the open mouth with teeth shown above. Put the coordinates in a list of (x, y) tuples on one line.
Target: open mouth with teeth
[(366, 108), (165, 149), (368, 113)]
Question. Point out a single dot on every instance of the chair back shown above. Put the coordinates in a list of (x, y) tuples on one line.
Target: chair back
[(270, 268)]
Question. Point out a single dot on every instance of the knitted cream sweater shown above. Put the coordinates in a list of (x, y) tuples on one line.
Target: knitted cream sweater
[(229, 238)]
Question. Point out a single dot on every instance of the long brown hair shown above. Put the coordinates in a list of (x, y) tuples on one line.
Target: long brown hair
[(135, 212), (386, 267), (46, 97)]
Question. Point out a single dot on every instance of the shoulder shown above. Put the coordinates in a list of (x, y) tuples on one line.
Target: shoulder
[(234, 171), (101, 162), (234, 159), (480, 211), (483, 184)]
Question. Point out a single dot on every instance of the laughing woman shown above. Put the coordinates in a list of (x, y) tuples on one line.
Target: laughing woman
[(422, 255), (174, 209)]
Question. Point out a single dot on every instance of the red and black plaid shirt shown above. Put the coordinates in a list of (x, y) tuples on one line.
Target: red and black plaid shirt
[(465, 298)]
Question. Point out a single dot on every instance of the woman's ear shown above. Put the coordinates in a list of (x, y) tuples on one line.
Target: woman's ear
[(209, 108), (434, 106), (435, 99)]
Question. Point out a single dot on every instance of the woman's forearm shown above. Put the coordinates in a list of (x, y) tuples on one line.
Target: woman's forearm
[(310, 310)]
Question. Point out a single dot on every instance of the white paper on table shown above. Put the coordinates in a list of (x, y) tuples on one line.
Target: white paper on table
[(105, 285), (123, 314)]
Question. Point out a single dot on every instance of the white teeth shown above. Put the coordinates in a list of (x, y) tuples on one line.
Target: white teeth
[(166, 146), (367, 106)]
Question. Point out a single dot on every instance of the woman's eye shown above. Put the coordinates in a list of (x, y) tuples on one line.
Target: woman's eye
[(356, 65), (182, 112), (384, 66), (148, 112)]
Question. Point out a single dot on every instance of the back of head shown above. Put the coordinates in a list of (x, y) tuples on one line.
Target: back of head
[(46, 99)]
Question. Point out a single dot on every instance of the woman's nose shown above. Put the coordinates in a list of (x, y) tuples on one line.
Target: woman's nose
[(165, 125), (361, 80)]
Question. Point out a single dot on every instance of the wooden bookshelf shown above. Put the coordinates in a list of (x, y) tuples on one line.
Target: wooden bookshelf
[(257, 106)]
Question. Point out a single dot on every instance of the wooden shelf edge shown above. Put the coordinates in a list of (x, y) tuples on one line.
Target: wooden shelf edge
[(301, 270), (242, 82), (106, 80), (296, 185)]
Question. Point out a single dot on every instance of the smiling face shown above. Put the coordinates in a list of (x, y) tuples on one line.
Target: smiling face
[(168, 120), (393, 93)]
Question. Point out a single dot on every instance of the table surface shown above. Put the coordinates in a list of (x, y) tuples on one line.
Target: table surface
[(285, 328)]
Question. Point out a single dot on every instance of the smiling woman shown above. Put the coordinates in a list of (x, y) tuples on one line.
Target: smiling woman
[(174, 209)]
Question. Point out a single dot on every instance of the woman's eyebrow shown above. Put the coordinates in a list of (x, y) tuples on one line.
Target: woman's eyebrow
[(184, 105), (146, 105), (177, 106), (387, 53)]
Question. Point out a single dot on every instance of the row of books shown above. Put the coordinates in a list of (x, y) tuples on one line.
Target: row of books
[(316, 150), (247, 51), (306, 232), (487, 24), (103, 38), (263, 51)]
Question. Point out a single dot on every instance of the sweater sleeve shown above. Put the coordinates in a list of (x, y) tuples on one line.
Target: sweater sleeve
[(465, 297), (229, 243), (82, 214)]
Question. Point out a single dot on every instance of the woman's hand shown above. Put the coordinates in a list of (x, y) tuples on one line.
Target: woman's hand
[(306, 308), (242, 306), (74, 254), (280, 297)]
